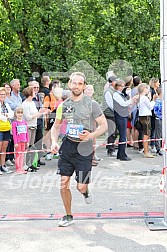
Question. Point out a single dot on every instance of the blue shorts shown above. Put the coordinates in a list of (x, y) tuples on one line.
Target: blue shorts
[(5, 136)]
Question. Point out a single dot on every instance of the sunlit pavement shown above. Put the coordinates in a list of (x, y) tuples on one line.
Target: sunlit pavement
[(117, 187)]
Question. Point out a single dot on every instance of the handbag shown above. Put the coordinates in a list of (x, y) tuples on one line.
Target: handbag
[(137, 124), (5, 126)]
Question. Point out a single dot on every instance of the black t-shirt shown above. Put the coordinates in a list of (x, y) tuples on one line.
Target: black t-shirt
[(44, 90)]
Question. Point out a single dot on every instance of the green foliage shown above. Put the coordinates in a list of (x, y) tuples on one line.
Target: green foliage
[(52, 36)]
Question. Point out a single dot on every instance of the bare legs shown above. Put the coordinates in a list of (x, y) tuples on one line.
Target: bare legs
[(145, 144), (66, 193), (3, 147)]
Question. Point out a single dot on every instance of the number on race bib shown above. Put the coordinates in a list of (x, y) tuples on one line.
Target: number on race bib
[(74, 130)]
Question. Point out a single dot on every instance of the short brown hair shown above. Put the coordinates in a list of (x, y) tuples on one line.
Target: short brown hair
[(4, 84), (28, 91), (78, 74), (45, 79)]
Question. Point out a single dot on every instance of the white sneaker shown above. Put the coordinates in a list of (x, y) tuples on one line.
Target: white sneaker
[(96, 158), (13, 161), (88, 197), (153, 150), (8, 162), (66, 221), (25, 167), (48, 157), (141, 151), (1, 173), (5, 169)]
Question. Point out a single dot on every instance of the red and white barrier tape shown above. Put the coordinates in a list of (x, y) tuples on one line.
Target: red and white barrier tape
[(95, 145), (129, 142), (27, 151)]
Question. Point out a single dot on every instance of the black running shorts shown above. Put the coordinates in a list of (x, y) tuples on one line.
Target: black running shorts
[(76, 156)]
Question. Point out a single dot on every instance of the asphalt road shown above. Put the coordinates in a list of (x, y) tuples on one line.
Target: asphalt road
[(125, 191)]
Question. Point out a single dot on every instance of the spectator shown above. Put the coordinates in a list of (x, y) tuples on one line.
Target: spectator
[(31, 113), (145, 108), (89, 91), (154, 85), (136, 135), (10, 148), (121, 112), (45, 81), (127, 92), (21, 139), (40, 121), (5, 114), (65, 95), (50, 103), (108, 110), (57, 92), (158, 121), (56, 83), (14, 101)]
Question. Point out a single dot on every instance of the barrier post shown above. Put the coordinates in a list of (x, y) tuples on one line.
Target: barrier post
[(163, 65), (161, 224)]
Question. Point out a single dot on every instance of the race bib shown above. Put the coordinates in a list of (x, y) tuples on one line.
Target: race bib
[(73, 130), (21, 129)]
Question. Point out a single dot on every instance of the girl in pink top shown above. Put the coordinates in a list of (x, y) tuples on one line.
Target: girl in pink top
[(20, 138)]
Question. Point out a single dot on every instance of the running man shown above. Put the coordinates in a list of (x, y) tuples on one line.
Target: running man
[(76, 150)]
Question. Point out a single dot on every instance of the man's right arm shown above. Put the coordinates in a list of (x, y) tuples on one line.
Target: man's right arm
[(55, 131)]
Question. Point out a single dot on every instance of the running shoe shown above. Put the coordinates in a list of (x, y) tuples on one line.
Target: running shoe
[(66, 221), (56, 156), (5, 169), (153, 150), (48, 157), (141, 151), (160, 152), (8, 162), (96, 158), (88, 197)]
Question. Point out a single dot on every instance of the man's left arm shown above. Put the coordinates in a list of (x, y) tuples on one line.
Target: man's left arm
[(102, 126), (101, 121)]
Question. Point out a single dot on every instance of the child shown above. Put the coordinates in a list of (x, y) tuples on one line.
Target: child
[(20, 138), (158, 121)]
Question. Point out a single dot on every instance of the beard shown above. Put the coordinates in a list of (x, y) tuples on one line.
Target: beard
[(76, 92)]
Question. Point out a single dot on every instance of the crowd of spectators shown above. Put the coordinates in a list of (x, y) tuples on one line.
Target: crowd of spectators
[(124, 101)]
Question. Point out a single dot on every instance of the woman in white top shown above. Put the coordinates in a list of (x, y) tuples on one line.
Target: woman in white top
[(31, 113), (145, 107)]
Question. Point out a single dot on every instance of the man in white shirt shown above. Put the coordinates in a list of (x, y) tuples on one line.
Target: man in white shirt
[(107, 107)]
